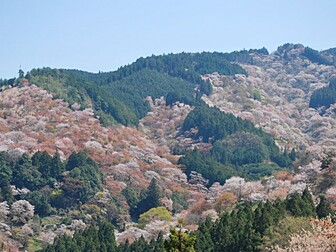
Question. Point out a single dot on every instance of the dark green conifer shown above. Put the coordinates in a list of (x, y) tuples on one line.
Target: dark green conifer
[(323, 209)]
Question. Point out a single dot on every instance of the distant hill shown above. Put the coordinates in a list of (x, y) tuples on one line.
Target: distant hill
[(330, 51), (324, 97), (118, 96)]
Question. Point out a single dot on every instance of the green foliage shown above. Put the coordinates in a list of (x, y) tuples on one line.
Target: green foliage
[(206, 87), (301, 205), (171, 98), (247, 228), (82, 182), (57, 166), (250, 228), (279, 234), (323, 209), (180, 241), (292, 154), (95, 238), (324, 97), (216, 171), (234, 231), (256, 95), (207, 166), (49, 167), (3, 82), (119, 95), (187, 66), (331, 51), (151, 199), (42, 161), (264, 217), (40, 200), (78, 159), (179, 201), (25, 174), (131, 196), (43, 174), (257, 171), (239, 148), (213, 125), (157, 213), (90, 174), (6, 176), (315, 56), (204, 241)]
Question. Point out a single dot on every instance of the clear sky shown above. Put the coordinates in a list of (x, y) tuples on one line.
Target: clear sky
[(101, 35)]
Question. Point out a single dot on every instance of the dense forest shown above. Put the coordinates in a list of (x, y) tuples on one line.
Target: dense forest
[(246, 228), (330, 51), (316, 56), (239, 148), (52, 184), (324, 97), (119, 96), (123, 102)]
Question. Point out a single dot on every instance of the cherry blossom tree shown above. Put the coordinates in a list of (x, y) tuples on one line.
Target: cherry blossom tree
[(22, 211)]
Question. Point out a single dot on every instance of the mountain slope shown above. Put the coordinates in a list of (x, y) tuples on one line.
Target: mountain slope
[(120, 95), (272, 92), (275, 97)]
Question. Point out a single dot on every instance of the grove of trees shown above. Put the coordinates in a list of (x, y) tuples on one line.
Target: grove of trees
[(246, 228), (239, 148), (51, 182)]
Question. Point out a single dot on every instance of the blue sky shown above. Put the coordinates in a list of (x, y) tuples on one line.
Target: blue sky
[(100, 35)]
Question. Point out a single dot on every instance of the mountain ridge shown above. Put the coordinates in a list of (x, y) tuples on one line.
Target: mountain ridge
[(273, 95)]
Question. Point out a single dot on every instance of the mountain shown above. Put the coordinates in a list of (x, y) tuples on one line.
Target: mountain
[(168, 141), (119, 95)]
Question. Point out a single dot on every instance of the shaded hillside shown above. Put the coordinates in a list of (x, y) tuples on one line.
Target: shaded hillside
[(124, 101), (331, 51), (120, 95), (237, 147), (324, 97), (316, 56)]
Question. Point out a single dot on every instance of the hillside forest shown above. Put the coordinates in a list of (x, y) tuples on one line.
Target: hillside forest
[(205, 151)]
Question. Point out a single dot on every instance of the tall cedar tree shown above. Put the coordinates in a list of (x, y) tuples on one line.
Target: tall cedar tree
[(323, 208), (151, 200)]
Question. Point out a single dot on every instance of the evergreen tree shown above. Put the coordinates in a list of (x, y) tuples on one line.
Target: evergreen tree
[(203, 240), (40, 200), (323, 209), (279, 210), (25, 174), (222, 233), (78, 159), (293, 202), (180, 241), (5, 179), (292, 155), (307, 205), (106, 236), (151, 200), (57, 166), (158, 244), (21, 74), (43, 161)]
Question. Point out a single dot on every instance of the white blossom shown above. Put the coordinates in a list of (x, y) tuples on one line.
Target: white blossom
[(22, 211), (4, 211)]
